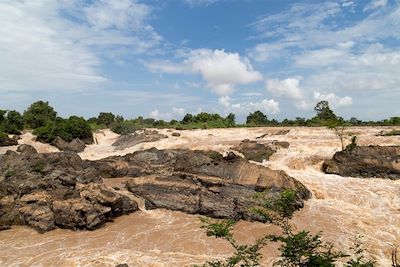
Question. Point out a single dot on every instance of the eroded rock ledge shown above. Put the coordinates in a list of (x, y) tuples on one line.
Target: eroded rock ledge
[(201, 182), (366, 162), (52, 190)]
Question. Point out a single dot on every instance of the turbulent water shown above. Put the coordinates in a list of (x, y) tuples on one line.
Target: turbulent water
[(341, 207)]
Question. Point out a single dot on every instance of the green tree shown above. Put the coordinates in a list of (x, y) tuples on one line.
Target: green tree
[(13, 123), (106, 118), (323, 111), (230, 120), (257, 118), (39, 114), (188, 118)]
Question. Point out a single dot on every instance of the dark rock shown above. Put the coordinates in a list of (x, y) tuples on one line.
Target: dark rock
[(122, 265), (366, 161), (75, 145), (7, 141), (26, 149), (46, 191), (254, 151), (282, 144), (202, 182), (126, 141), (176, 134)]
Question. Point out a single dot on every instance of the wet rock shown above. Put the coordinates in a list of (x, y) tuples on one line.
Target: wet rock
[(202, 182), (46, 191), (279, 132), (254, 151), (366, 161), (131, 140), (176, 134), (281, 144)]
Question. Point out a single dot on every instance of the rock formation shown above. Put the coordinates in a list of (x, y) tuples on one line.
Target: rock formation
[(75, 145), (7, 141), (52, 190), (130, 140), (366, 161), (255, 151), (202, 182)]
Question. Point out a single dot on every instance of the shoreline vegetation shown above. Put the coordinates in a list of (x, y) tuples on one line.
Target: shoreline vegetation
[(43, 120)]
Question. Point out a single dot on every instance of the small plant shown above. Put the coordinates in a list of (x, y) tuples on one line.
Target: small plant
[(352, 145), (360, 260), (39, 167), (9, 173)]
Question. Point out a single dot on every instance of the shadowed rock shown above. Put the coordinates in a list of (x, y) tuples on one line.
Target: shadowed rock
[(52, 190), (366, 161)]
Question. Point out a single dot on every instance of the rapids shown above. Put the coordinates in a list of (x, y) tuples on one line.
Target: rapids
[(341, 207)]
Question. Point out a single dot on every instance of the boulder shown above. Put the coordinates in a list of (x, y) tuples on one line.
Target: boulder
[(176, 134), (7, 141), (75, 145), (254, 151), (366, 162), (131, 140), (46, 191)]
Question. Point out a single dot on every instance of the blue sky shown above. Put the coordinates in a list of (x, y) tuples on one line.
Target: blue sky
[(163, 59)]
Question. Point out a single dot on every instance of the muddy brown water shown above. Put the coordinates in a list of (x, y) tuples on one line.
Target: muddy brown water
[(341, 207)]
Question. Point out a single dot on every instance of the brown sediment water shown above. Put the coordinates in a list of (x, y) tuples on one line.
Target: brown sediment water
[(341, 207)]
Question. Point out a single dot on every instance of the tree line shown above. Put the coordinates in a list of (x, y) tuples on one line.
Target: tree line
[(43, 120)]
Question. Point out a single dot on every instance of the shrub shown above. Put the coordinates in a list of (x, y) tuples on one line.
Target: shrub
[(67, 129), (39, 114), (106, 118)]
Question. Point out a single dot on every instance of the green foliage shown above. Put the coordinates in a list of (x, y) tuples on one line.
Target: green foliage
[(352, 145), (9, 172), (244, 255), (11, 122), (67, 129), (257, 119), (324, 112), (360, 260), (218, 228), (284, 204), (39, 166), (106, 118), (123, 128), (305, 249), (39, 114)]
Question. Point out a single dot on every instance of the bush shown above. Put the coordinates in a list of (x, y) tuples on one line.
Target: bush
[(11, 122), (39, 114), (67, 129), (124, 128)]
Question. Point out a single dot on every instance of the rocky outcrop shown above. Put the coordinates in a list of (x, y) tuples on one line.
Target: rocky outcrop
[(202, 182), (75, 145), (52, 190), (254, 151), (7, 141), (131, 140), (366, 161)]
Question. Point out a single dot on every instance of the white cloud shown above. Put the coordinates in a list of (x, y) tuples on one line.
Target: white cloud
[(178, 111), (42, 48), (197, 3), (333, 99), (155, 114), (375, 4), (221, 70), (269, 106), (288, 88)]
